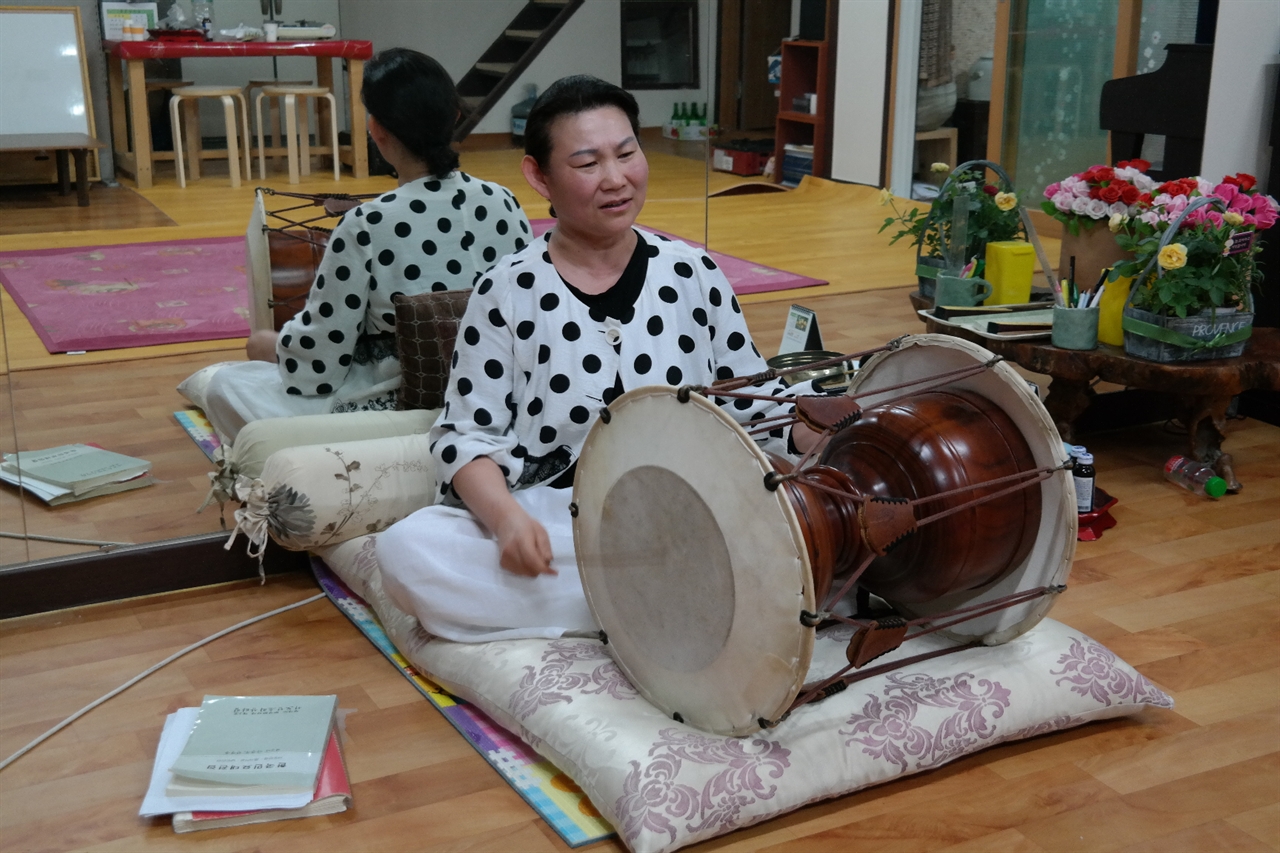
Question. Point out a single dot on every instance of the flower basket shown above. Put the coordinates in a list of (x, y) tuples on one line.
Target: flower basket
[(1210, 333), (991, 214), (1223, 333)]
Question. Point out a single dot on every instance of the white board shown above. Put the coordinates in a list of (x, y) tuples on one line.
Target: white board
[(42, 81)]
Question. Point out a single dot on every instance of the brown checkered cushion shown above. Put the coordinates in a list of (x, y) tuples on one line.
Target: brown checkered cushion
[(426, 326)]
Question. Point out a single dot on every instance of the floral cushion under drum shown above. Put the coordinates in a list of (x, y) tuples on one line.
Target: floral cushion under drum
[(664, 785)]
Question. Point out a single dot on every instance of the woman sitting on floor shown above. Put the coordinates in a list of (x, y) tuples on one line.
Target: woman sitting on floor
[(551, 335), (438, 230)]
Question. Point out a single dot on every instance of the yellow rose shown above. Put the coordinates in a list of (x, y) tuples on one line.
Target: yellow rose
[(939, 167), (1232, 218), (1117, 222), (886, 197), (1006, 201), (1173, 256)]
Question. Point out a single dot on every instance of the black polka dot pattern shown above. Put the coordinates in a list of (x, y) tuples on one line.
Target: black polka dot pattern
[(409, 241), (534, 352)]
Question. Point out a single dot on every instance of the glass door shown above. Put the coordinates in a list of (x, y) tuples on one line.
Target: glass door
[(1059, 55)]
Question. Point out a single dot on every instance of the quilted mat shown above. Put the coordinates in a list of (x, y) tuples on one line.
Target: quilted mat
[(664, 785)]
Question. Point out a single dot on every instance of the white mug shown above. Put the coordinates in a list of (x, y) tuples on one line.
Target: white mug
[(272, 30)]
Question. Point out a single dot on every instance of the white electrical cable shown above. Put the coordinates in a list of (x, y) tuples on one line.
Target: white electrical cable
[(62, 540), (170, 659)]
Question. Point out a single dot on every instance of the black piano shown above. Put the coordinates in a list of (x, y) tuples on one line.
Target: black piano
[(1171, 102)]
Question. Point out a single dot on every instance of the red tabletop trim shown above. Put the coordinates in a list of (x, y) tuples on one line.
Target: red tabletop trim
[(343, 49)]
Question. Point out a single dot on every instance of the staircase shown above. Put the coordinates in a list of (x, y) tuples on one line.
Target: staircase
[(509, 55)]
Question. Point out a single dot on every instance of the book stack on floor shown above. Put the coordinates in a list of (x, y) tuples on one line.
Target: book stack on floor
[(74, 472), (797, 161), (238, 760)]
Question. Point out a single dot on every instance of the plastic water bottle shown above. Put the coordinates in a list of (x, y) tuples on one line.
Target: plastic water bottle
[(1084, 476), (1195, 477), (203, 12)]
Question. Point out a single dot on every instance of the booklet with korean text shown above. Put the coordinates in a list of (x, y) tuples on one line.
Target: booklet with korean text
[(254, 745), (333, 795), (77, 467)]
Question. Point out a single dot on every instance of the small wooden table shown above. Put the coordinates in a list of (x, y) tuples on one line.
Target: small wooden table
[(137, 160), (61, 144), (1202, 389)]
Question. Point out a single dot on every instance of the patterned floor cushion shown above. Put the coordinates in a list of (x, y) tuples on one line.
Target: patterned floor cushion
[(665, 785)]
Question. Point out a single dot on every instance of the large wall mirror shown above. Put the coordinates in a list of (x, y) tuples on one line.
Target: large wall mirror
[(125, 399)]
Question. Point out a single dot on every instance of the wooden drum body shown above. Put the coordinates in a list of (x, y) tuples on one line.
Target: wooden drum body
[(702, 576), (283, 258)]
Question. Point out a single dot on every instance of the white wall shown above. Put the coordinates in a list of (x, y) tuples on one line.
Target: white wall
[(456, 32), (1241, 89), (858, 107)]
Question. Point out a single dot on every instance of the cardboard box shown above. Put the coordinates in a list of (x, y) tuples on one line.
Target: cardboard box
[(745, 163)]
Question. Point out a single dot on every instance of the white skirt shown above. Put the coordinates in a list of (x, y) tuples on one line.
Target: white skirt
[(252, 390), (442, 565)]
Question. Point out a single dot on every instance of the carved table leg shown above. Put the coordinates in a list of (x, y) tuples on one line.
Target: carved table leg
[(1206, 420), (1066, 401)]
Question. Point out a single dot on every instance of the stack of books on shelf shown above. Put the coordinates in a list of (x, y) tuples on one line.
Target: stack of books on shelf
[(797, 161), (74, 472), (238, 760)]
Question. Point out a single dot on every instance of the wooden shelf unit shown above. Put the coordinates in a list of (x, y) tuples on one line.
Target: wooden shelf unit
[(805, 69)]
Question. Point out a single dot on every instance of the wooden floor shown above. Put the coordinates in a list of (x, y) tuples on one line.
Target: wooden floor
[(1186, 589)]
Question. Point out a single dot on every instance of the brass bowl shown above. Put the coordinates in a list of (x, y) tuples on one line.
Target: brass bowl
[(831, 377)]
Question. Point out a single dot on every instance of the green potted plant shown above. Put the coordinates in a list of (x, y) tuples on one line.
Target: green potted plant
[(968, 214), (1194, 264)]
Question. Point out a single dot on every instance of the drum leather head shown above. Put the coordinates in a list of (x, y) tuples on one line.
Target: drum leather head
[(1048, 561), (694, 570)]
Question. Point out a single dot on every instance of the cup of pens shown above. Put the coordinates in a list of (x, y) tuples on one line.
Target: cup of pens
[(1075, 314), (1075, 328)]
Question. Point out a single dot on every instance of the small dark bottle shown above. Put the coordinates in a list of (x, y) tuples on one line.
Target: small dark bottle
[(1084, 474)]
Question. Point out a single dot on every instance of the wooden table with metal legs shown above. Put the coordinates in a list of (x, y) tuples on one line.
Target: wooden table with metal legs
[(131, 125)]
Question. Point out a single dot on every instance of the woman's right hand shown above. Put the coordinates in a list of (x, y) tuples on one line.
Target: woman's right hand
[(524, 545)]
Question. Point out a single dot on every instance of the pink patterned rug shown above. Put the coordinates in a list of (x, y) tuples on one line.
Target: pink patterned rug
[(137, 294), (744, 276)]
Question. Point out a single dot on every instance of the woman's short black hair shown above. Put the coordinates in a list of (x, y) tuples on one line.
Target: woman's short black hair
[(570, 96), (413, 97)]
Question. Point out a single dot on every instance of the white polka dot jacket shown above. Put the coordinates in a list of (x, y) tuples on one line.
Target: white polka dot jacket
[(536, 361), (426, 235)]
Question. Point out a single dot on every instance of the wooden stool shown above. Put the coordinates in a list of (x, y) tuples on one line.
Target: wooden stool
[(275, 129), (295, 139), (229, 95)]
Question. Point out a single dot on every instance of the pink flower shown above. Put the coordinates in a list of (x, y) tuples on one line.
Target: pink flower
[(1250, 219), (1063, 201), (1150, 217), (1052, 190), (1099, 209), (1226, 192), (1241, 203), (1119, 207), (1215, 217), (1260, 202), (1080, 206), (1080, 189), (1265, 218)]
